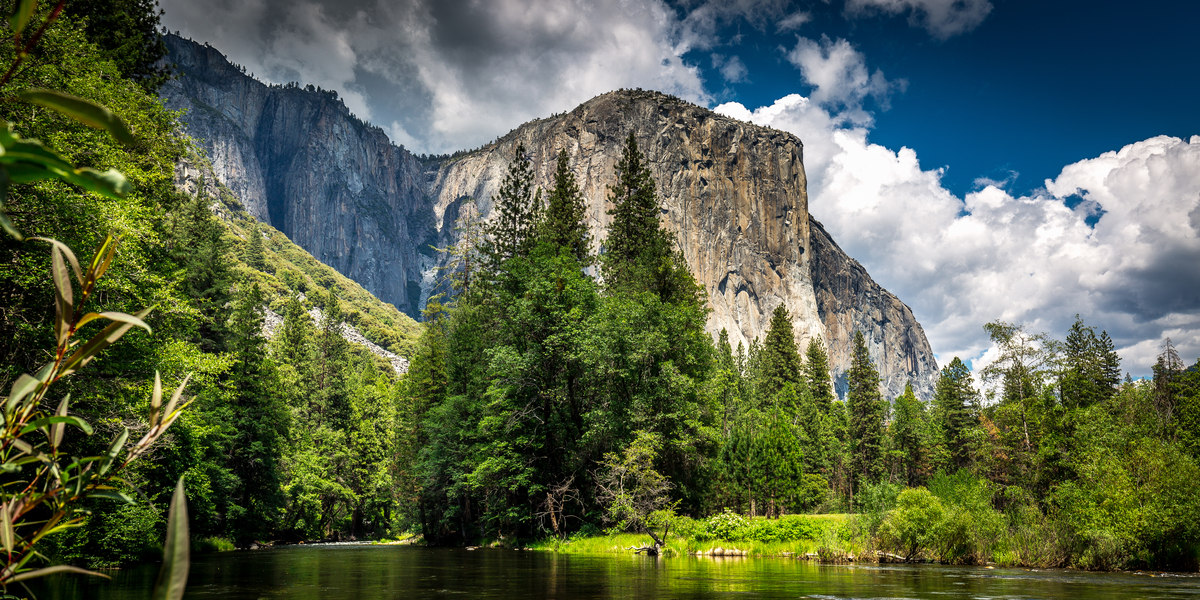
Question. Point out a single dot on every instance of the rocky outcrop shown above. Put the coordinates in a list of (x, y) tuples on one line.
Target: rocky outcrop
[(297, 159), (849, 300), (734, 193)]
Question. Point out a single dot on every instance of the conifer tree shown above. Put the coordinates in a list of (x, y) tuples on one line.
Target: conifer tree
[(866, 408), (907, 446), (255, 257), (512, 232), (332, 354), (953, 401), (199, 245), (816, 373), (260, 424), (565, 221), (780, 359), (638, 253)]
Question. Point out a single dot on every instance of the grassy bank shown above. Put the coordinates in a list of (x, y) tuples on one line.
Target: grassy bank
[(726, 534)]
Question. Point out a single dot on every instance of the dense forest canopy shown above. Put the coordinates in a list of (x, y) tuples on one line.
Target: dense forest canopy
[(555, 391)]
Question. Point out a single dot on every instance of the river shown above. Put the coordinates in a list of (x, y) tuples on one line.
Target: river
[(404, 572)]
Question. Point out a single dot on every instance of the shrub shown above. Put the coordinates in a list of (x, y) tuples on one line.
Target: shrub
[(914, 524), (725, 526)]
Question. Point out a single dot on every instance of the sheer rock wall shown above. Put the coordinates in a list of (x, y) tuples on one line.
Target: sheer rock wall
[(734, 193)]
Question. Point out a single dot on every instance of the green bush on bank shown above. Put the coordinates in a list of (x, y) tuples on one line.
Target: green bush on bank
[(733, 527)]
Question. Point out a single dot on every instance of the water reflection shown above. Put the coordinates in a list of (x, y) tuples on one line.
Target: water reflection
[(393, 572)]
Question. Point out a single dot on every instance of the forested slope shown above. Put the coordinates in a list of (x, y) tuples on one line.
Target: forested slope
[(286, 439)]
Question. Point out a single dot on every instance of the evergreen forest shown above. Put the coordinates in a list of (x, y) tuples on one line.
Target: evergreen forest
[(553, 392)]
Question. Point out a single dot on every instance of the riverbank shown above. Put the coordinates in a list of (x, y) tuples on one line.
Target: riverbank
[(791, 535)]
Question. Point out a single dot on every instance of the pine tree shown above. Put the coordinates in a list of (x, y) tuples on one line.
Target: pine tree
[(816, 372), (953, 401), (639, 254), (780, 359), (199, 245), (255, 257), (866, 407), (332, 355), (260, 424), (1110, 367), (565, 221), (512, 232), (1082, 380), (906, 441)]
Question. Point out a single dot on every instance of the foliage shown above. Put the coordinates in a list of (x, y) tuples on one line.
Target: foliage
[(634, 494), (866, 407)]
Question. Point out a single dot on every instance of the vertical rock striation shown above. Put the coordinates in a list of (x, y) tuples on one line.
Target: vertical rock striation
[(297, 159), (734, 193)]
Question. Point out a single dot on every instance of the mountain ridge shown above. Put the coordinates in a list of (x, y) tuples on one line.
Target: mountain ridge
[(734, 193)]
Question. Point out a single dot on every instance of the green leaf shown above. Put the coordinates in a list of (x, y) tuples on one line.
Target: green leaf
[(169, 413), (112, 495), (114, 448), (66, 253), (28, 161), (64, 419), (21, 15), (56, 432), (6, 528), (64, 296), (56, 569), (155, 399), (109, 183), (102, 257), (172, 578), (24, 386), (85, 111), (100, 341)]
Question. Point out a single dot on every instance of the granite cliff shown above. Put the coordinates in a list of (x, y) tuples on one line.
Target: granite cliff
[(734, 193)]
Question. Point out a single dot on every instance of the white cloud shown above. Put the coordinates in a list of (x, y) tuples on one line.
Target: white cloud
[(841, 78), (443, 72), (941, 18), (793, 21), (732, 69), (962, 262)]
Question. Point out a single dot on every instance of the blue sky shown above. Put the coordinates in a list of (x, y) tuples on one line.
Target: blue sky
[(984, 159), (1079, 77)]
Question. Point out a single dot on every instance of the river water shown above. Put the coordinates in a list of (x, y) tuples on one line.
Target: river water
[(404, 572)]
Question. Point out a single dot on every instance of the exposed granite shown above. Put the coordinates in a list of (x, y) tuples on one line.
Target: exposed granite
[(297, 159), (735, 194)]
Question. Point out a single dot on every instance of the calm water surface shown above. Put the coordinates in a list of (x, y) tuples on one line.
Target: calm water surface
[(387, 572)]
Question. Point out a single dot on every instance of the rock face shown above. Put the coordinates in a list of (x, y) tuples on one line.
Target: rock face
[(734, 194), (849, 300), (297, 159)]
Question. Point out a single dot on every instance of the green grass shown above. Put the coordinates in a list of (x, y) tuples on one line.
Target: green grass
[(677, 545), (212, 544)]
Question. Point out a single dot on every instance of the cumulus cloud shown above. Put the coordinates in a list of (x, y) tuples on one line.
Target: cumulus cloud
[(840, 77), (943, 19), (437, 73), (1037, 259)]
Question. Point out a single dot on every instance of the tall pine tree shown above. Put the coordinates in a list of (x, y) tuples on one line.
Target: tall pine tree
[(512, 231), (954, 403), (816, 372), (866, 407), (780, 359), (565, 221), (260, 423)]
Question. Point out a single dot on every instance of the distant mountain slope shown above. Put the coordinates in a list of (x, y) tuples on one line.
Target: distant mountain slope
[(735, 193), (377, 326), (298, 160)]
